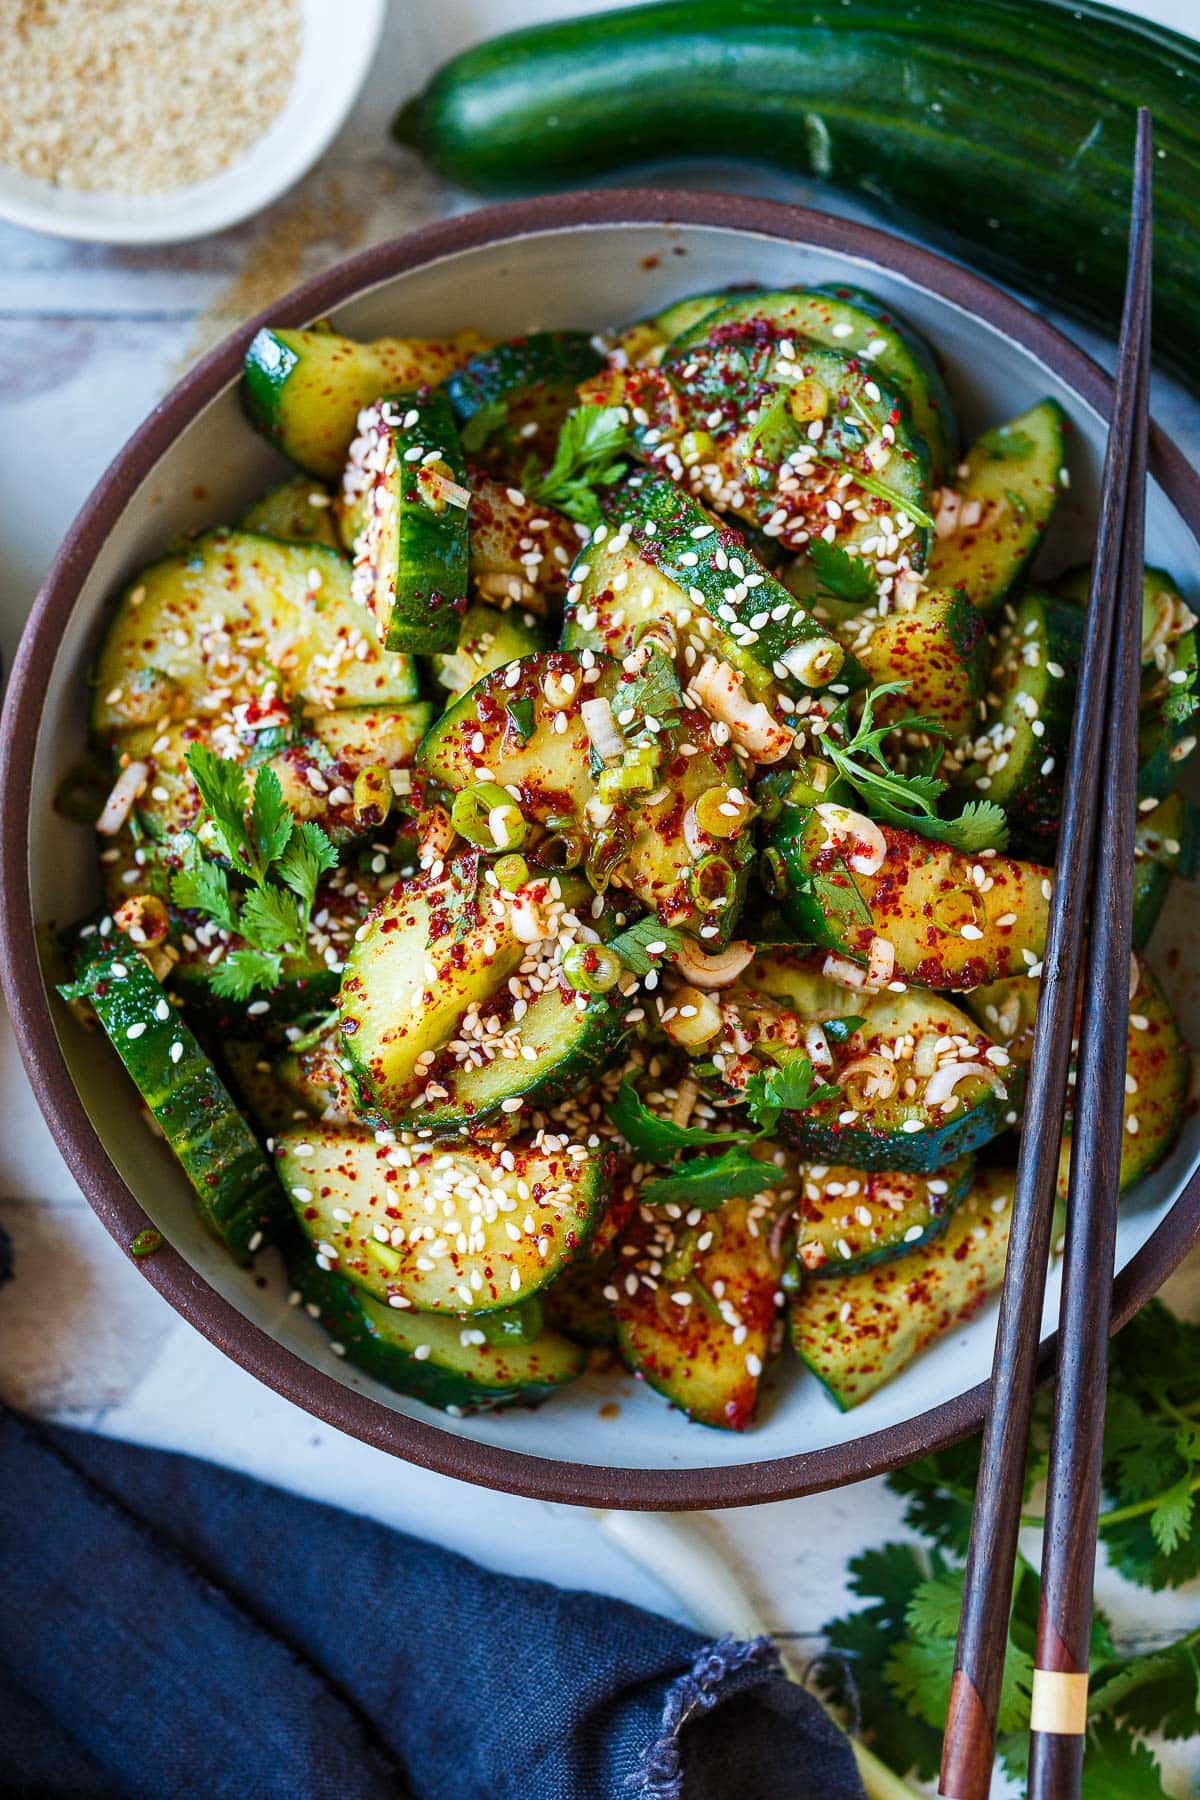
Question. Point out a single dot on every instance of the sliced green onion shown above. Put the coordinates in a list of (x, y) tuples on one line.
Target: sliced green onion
[(712, 817), (713, 884), (512, 872), (607, 850), (628, 778), (561, 850), (372, 797), (488, 817), (811, 782), (591, 968), (772, 872)]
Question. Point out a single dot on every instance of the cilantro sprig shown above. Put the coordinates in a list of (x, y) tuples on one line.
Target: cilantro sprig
[(280, 858), (706, 1181), (841, 575), (592, 442), (889, 1663), (908, 801)]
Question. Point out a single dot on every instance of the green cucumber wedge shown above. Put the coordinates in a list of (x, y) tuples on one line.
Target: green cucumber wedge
[(1166, 845), (938, 646), (182, 627), (237, 1193), (443, 1361), (993, 516), (304, 390), (299, 511), (695, 1307), (857, 1332), (1017, 756), (855, 324), (407, 476), (511, 399), (947, 926), (849, 1218), (440, 1228)]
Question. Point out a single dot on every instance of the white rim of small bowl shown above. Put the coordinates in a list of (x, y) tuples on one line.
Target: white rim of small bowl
[(293, 142)]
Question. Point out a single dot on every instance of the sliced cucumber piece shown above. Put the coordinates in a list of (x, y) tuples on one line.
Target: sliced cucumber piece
[(919, 1083), (299, 511), (440, 1361), (237, 1194), (437, 945), (1170, 716), (318, 764), (426, 1227), (262, 1100), (487, 640), (663, 561), (315, 1082), (228, 613), (995, 513), (797, 439), (644, 341), (511, 399), (304, 390), (856, 325), (939, 646), (706, 1354), (406, 473), (849, 1218), (1156, 1063), (521, 551), (1166, 844), (524, 728), (1018, 757), (858, 1331), (947, 926)]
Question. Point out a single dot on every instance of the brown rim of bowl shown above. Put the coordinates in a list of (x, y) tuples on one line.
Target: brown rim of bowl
[(414, 1439)]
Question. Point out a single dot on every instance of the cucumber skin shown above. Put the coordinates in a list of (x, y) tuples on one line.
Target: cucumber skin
[(1047, 93), (914, 1153), (237, 1192), (347, 1319)]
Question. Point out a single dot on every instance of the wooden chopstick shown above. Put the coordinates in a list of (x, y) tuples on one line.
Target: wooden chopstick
[(968, 1747), (1059, 1717)]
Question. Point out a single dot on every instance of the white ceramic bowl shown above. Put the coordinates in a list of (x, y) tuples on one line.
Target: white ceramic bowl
[(577, 260), (338, 42)]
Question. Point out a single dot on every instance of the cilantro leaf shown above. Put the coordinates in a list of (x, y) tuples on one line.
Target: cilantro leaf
[(308, 856), (658, 1140), (222, 788), (1158, 1691), (203, 886), (1116, 1766), (908, 801), (788, 1088), (271, 920), (844, 576), (592, 441), (630, 944), (483, 423), (242, 972), (1171, 1520), (708, 1181), (840, 1031), (654, 691), (270, 820), (851, 1672)]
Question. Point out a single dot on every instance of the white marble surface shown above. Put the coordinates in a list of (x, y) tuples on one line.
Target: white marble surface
[(89, 339)]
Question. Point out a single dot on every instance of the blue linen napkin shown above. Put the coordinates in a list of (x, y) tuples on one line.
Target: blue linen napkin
[(168, 1628)]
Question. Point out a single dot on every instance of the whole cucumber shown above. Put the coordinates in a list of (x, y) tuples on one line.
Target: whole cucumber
[(1001, 130)]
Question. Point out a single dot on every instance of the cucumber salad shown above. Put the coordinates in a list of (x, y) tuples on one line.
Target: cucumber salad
[(576, 856)]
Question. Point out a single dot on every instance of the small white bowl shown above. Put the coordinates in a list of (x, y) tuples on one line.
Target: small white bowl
[(338, 43)]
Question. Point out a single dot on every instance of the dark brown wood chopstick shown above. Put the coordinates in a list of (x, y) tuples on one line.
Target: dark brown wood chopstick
[(968, 1747), (1059, 1720)]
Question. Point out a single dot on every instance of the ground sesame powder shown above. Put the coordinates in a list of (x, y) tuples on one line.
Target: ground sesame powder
[(137, 96)]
